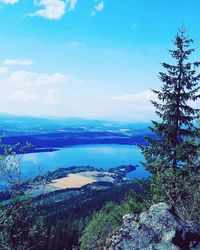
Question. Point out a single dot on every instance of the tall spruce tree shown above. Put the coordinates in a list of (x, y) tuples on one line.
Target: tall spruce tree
[(175, 148)]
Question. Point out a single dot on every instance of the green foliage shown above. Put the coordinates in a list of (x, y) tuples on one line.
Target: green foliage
[(173, 154), (101, 225), (105, 222), (176, 133), (65, 221), (19, 227)]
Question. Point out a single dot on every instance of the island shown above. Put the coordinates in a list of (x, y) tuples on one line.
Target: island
[(76, 178)]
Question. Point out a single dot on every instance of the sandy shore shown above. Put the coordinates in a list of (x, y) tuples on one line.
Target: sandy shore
[(72, 181)]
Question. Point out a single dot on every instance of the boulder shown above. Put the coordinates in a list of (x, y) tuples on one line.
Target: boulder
[(159, 228)]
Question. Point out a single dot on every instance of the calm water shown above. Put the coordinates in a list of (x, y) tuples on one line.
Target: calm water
[(101, 156)]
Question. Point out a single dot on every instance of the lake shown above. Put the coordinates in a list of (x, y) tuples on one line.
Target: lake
[(100, 156)]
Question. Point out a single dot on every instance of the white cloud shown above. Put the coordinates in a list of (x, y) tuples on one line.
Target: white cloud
[(99, 6), (26, 96), (9, 1), (142, 97), (31, 78), (52, 9), (13, 62), (51, 97), (21, 96), (72, 4), (132, 98), (3, 70)]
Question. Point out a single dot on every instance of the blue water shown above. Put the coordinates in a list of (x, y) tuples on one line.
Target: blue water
[(100, 156)]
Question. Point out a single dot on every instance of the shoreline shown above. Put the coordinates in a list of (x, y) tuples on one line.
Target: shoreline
[(54, 149), (77, 177)]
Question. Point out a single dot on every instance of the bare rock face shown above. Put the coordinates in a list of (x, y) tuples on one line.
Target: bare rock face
[(159, 228)]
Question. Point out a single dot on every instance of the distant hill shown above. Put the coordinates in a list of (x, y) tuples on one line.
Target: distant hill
[(13, 124), (46, 134)]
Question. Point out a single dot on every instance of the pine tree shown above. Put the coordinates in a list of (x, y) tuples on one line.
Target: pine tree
[(175, 148)]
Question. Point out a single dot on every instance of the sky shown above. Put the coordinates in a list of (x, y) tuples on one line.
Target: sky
[(88, 58)]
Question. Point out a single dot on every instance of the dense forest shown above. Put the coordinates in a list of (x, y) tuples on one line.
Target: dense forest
[(171, 156)]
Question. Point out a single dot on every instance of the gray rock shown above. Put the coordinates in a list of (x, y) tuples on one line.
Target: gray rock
[(159, 228)]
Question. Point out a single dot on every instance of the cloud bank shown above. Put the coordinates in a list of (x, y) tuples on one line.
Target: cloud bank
[(9, 1), (13, 62), (53, 9)]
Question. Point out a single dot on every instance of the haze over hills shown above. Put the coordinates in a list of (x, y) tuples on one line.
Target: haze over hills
[(13, 124), (46, 134)]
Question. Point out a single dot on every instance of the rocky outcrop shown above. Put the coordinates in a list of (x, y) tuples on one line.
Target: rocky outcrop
[(159, 228)]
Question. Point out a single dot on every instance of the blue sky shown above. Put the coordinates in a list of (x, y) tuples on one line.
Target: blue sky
[(87, 58)]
